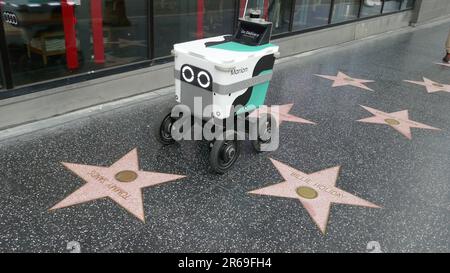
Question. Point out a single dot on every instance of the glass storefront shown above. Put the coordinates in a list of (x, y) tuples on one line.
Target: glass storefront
[(407, 4), (309, 14), (392, 5), (345, 10), (183, 20), (45, 40), (48, 39), (371, 7), (276, 11)]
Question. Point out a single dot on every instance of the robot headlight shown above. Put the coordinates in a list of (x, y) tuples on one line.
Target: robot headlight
[(197, 77), (203, 79), (188, 74)]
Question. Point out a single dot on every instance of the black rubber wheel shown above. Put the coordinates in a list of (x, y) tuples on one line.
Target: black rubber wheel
[(267, 132), (164, 130), (223, 155)]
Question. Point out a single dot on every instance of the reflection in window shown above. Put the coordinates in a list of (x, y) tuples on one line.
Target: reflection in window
[(184, 20), (311, 13), (408, 4), (276, 11), (392, 5), (53, 39), (371, 7), (345, 10)]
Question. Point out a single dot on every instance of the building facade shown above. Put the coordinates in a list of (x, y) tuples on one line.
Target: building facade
[(72, 54)]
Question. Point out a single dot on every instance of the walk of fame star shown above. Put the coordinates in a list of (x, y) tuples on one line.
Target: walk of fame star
[(398, 120), (342, 80), (432, 86), (316, 192), (443, 64), (122, 182), (281, 113)]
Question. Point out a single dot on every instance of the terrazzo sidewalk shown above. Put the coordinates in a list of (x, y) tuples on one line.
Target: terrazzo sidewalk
[(369, 171)]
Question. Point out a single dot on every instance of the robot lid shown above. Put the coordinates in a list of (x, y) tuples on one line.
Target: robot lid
[(223, 50)]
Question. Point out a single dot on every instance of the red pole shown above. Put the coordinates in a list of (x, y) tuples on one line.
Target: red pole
[(242, 8), (200, 15), (97, 31), (266, 9), (70, 34)]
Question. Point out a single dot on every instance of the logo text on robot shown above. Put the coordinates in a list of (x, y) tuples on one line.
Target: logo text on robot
[(237, 71), (249, 33)]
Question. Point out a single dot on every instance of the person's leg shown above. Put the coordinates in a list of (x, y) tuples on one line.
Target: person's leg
[(447, 45)]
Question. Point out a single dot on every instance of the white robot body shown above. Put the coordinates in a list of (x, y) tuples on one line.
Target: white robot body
[(218, 71)]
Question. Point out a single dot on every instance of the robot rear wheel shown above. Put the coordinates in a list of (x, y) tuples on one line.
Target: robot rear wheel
[(266, 123), (164, 131)]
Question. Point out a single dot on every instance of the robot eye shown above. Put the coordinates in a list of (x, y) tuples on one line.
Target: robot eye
[(203, 79), (188, 74)]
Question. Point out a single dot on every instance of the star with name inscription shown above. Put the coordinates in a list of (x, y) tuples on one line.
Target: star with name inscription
[(122, 182), (342, 80), (316, 192), (398, 120), (432, 86)]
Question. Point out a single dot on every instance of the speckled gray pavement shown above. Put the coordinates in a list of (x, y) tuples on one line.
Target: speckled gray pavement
[(204, 212)]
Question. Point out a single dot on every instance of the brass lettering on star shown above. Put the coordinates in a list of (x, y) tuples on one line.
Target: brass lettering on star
[(109, 185), (317, 186)]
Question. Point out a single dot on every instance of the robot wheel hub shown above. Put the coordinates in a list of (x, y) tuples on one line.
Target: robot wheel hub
[(229, 152)]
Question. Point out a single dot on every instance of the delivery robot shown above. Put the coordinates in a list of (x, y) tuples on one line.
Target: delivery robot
[(230, 75)]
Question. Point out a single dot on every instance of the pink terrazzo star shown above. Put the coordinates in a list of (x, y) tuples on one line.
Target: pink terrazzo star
[(443, 64), (398, 120), (342, 80), (122, 182), (432, 86), (316, 192), (281, 113)]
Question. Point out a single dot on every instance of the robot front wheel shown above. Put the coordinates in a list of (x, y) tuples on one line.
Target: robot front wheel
[(224, 154)]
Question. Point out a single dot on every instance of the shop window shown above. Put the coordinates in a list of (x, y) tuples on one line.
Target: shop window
[(276, 11), (371, 8), (54, 39), (407, 4), (184, 20), (345, 10), (392, 5), (311, 13)]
